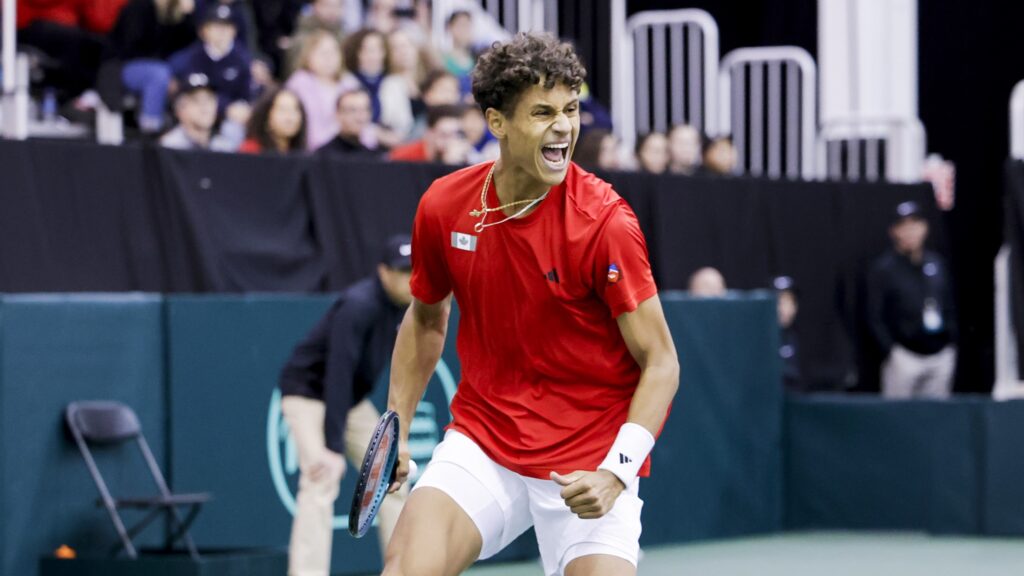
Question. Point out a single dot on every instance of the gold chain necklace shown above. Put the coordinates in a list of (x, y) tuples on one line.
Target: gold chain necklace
[(485, 210)]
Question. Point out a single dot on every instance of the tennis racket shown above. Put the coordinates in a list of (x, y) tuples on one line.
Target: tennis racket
[(378, 471)]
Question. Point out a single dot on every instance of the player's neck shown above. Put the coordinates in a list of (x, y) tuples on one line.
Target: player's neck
[(514, 184)]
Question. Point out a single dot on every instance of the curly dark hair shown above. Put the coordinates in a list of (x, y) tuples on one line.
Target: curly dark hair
[(505, 71)]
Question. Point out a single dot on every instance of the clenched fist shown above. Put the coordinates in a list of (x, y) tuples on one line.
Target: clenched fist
[(589, 495)]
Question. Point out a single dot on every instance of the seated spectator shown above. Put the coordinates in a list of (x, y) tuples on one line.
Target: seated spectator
[(787, 307), (652, 153), (684, 150), (239, 16), (911, 311), (707, 283), (366, 58), (217, 56), (593, 114), (195, 108), (474, 125), (411, 63), (444, 141), (72, 33), (597, 150), (146, 33), (460, 59), (275, 22), (439, 88), (385, 16), (317, 83), (324, 15), (243, 15), (720, 156), (277, 124), (354, 113)]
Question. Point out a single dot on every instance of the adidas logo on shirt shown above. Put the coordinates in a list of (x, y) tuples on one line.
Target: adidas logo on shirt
[(623, 459)]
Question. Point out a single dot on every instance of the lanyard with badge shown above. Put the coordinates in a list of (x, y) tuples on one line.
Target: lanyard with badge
[(931, 314)]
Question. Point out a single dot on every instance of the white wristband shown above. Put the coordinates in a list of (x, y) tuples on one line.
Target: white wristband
[(628, 453)]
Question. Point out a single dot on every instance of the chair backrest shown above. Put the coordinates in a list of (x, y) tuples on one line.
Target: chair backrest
[(103, 422)]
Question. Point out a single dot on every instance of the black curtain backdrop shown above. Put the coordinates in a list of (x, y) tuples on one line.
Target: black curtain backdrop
[(967, 68), (359, 204), (236, 223), (130, 218)]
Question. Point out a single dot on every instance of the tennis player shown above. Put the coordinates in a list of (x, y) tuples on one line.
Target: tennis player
[(568, 368)]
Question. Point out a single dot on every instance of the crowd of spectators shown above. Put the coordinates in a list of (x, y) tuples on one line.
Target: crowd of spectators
[(318, 77), (305, 76)]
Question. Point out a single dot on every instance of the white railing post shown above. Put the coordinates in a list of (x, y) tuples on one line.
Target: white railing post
[(668, 74), (1008, 384), (734, 99), (1017, 121), (905, 145)]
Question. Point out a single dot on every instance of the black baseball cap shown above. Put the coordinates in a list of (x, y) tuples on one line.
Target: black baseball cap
[(193, 83), (397, 252), (908, 209), (217, 12)]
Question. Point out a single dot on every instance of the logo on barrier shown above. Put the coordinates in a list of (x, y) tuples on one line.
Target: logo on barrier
[(432, 415)]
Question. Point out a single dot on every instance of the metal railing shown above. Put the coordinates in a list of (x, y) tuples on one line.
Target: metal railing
[(872, 149), (665, 63), (1008, 383), (1017, 121), (777, 139)]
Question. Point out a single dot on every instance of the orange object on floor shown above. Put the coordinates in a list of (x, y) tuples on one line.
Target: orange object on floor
[(65, 552)]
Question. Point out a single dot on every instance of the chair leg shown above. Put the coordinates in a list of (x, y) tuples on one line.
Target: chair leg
[(141, 524), (126, 540), (182, 530)]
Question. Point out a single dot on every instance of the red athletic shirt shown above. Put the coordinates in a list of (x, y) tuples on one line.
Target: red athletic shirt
[(547, 379)]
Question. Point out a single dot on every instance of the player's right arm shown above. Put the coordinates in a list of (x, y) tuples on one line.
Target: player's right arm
[(421, 336), (417, 349)]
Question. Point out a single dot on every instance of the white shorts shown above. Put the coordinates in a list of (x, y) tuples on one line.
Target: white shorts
[(504, 504)]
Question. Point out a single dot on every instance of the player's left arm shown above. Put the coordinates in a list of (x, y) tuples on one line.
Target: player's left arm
[(593, 494)]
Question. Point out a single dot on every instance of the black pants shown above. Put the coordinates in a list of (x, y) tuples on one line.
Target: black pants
[(74, 54)]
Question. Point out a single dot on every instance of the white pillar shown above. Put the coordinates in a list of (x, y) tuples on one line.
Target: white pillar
[(867, 58), (7, 101)]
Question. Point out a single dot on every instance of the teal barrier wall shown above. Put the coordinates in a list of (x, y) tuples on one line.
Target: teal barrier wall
[(867, 463), (228, 436), (1003, 471), (717, 467), (225, 354), (53, 350)]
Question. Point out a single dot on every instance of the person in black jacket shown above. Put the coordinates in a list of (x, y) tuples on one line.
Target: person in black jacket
[(324, 388), (787, 307), (911, 312), (145, 35)]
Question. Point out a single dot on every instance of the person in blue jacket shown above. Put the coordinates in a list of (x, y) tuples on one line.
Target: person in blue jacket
[(218, 56)]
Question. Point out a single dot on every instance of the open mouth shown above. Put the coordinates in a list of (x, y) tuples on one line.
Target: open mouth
[(556, 156)]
